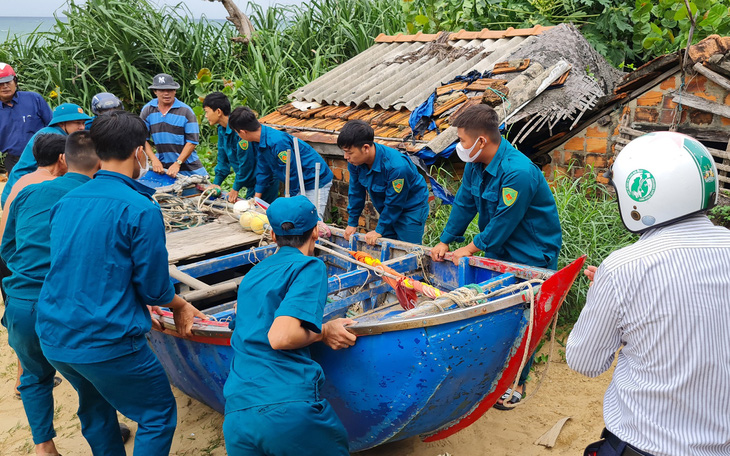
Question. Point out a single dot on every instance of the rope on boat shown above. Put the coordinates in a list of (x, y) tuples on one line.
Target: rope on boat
[(420, 255), (466, 296), (180, 213), (543, 376), (505, 402)]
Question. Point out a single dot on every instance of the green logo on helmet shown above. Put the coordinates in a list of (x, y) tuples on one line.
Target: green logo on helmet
[(640, 185), (704, 163)]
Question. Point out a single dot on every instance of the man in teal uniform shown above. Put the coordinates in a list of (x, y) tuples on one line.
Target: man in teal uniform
[(26, 250), (398, 192), (273, 402), (233, 152), (67, 118), (271, 147), (108, 269), (518, 218)]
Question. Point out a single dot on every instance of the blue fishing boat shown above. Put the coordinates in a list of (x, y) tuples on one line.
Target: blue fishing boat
[(431, 370)]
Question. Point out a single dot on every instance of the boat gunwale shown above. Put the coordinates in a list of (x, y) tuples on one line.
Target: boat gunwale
[(220, 329)]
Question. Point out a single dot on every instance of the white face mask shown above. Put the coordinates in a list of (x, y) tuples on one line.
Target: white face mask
[(464, 154), (142, 169)]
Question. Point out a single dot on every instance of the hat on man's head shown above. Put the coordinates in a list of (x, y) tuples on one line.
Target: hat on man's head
[(297, 210), (67, 112), (164, 81), (7, 73)]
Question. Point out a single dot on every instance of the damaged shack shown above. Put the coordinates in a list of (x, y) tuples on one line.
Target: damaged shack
[(686, 91), (544, 82)]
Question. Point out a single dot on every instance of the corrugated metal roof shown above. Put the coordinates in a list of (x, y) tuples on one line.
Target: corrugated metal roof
[(386, 82), (388, 75)]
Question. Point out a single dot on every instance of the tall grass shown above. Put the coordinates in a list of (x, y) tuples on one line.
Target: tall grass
[(591, 226), (119, 45), (589, 220)]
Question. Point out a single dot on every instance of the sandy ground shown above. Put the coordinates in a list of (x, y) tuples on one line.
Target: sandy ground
[(563, 393)]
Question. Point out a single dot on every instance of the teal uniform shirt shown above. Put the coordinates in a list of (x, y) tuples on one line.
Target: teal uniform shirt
[(287, 283), (231, 155), (27, 164), (394, 185), (108, 263), (26, 246), (271, 155), (518, 218)]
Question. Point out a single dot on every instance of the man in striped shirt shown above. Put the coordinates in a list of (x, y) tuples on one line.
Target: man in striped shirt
[(174, 130), (663, 302)]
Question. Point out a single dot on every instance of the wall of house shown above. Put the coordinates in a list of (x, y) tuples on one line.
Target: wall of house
[(596, 143)]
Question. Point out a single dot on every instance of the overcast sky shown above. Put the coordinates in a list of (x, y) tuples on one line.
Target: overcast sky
[(213, 10)]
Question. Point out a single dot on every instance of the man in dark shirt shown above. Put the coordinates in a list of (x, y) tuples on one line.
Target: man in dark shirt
[(108, 267), (26, 250), (22, 114)]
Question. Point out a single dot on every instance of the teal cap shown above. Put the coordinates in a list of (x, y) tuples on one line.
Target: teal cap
[(297, 210), (67, 112)]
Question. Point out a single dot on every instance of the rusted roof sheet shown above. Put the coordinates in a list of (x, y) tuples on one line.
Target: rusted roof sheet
[(484, 34)]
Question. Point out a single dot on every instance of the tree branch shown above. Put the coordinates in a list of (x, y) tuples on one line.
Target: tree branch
[(238, 19)]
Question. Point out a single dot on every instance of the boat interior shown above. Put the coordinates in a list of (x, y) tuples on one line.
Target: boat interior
[(358, 291)]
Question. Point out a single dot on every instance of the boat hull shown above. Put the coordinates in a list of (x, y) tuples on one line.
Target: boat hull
[(430, 375), (387, 387)]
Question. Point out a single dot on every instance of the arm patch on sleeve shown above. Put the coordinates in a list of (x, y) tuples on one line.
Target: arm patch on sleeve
[(509, 196), (398, 185)]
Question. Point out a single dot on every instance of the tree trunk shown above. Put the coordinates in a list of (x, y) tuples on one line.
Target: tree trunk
[(239, 20)]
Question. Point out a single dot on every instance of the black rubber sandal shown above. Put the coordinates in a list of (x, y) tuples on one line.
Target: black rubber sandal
[(516, 397)]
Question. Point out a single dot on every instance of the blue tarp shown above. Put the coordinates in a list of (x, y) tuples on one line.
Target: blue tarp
[(420, 120)]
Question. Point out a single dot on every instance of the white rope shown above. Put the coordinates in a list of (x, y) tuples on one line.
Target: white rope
[(543, 375), (420, 256), (505, 402), (180, 213)]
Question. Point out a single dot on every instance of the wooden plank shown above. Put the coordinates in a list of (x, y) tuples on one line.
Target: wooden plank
[(722, 167), (698, 133), (702, 104), (549, 438), (223, 234), (720, 153), (624, 130), (647, 72), (712, 76)]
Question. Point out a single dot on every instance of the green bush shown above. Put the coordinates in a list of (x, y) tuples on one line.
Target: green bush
[(720, 215), (591, 226), (626, 32), (118, 46)]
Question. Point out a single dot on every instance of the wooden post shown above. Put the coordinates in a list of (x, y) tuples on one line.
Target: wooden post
[(287, 193)]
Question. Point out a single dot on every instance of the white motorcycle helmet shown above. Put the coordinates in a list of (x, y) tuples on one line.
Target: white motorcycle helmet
[(662, 177)]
